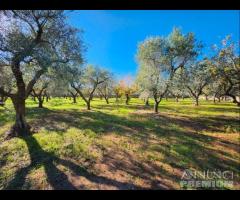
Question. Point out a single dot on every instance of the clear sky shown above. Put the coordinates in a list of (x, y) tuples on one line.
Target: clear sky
[(112, 36)]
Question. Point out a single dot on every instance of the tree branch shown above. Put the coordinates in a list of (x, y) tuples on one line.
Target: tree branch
[(79, 92), (33, 81)]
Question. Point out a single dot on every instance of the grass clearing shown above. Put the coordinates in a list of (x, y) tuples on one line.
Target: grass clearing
[(118, 146)]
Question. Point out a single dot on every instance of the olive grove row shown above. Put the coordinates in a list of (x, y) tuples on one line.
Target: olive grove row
[(41, 56)]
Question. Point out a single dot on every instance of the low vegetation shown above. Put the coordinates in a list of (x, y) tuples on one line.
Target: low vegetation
[(118, 146)]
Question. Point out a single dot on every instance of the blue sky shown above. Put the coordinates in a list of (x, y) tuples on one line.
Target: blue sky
[(112, 36)]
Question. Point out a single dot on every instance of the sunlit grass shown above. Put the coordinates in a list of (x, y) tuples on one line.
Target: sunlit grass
[(181, 136)]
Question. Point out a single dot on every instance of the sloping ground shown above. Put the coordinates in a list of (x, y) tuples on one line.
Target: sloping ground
[(118, 146)]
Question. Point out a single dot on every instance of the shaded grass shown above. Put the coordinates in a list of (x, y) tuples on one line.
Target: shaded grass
[(149, 150)]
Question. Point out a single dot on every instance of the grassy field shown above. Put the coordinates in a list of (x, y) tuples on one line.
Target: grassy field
[(117, 146)]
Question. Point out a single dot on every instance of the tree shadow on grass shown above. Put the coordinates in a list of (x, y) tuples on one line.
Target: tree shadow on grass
[(99, 122), (153, 175), (55, 177), (183, 148), (184, 108), (163, 126)]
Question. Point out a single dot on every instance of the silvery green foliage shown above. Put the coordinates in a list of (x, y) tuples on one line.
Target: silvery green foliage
[(62, 79), (160, 57), (153, 72), (144, 95), (43, 82), (177, 87), (38, 40), (89, 78), (196, 77), (58, 39), (6, 79), (106, 88), (227, 68)]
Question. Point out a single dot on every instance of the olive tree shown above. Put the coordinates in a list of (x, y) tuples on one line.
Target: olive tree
[(196, 78), (106, 88), (34, 37), (176, 88), (145, 95), (40, 88), (73, 94), (160, 57), (87, 80), (216, 87), (227, 69)]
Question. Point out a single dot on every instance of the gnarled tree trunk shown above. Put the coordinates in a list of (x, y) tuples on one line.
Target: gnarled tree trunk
[(40, 96), (40, 102), (156, 106), (88, 105), (21, 127)]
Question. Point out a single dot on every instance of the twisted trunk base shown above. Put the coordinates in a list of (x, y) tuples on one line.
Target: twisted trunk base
[(21, 127), (156, 106), (40, 103)]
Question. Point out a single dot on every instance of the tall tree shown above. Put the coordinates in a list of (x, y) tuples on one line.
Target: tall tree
[(160, 57), (40, 38), (227, 68), (196, 78), (176, 88)]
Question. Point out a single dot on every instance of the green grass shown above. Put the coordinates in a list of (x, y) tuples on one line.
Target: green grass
[(118, 146)]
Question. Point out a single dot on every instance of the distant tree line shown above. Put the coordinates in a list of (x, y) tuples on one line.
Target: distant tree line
[(41, 56)]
